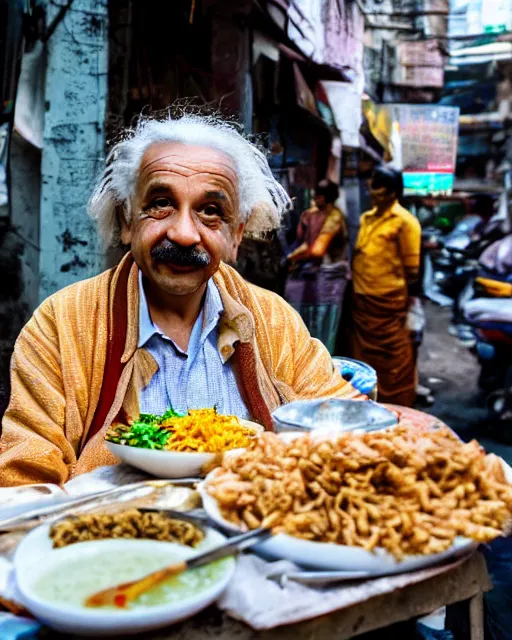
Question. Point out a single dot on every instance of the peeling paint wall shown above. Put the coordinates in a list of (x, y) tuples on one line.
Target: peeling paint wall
[(76, 95)]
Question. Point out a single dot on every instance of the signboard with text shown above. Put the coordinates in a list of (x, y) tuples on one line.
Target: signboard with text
[(428, 140)]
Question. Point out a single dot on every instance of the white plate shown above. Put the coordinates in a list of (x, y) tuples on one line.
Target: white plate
[(168, 464), (35, 556), (335, 557)]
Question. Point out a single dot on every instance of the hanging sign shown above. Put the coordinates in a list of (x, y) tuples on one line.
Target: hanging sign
[(428, 142)]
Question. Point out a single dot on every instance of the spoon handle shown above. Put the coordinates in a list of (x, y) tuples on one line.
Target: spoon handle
[(121, 594)]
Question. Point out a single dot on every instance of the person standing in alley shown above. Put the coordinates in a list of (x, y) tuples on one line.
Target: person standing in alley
[(385, 263), (318, 266)]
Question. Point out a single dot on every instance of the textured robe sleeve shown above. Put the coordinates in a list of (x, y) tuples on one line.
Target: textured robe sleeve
[(33, 445)]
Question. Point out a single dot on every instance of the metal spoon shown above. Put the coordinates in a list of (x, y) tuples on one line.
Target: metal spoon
[(122, 594)]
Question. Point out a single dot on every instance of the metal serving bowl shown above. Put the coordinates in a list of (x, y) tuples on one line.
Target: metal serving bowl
[(345, 415)]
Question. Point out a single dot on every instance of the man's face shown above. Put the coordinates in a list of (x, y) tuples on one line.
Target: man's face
[(381, 197), (185, 216)]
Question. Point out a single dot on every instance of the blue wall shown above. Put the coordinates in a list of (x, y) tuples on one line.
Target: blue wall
[(76, 95)]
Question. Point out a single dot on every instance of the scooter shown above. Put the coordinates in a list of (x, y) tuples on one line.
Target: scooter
[(454, 266), (494, 351), (490, 315), (493, 341), (450, 260)]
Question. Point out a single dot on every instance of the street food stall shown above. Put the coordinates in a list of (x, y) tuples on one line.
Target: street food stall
[(349, 517)]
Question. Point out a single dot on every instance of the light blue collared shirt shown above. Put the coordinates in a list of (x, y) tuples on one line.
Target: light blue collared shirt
[(192, 379)]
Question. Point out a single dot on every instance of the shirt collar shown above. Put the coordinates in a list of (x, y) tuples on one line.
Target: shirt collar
[(210, 314), (392, 210)]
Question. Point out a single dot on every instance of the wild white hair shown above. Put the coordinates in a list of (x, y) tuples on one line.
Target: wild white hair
[(262, 199)]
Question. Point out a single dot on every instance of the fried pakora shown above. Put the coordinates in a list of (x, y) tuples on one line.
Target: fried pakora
[(409, 492)]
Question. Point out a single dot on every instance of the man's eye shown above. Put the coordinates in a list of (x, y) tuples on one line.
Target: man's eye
[(161, 203), (212, 210)]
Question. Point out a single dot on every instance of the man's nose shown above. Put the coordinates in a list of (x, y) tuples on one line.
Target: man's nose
[(183, 230)]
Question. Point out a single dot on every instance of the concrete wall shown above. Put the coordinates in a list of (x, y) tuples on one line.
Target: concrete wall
[(76, 94)]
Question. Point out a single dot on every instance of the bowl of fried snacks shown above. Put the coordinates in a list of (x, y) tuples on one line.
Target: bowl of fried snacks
[(333, 413), (179, 446), (382, 502)]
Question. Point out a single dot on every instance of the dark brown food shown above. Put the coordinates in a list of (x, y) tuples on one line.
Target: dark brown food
[(126, 524)]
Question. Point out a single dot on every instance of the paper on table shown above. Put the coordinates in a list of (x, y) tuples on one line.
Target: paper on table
[(7, 584), (16, 501), (276, 605), (103, 479)]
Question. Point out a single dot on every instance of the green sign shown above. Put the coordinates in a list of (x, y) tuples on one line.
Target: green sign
[(419, 183), (496, 16)]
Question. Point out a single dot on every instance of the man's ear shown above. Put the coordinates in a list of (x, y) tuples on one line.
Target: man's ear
[(126, 232), (238, 234)]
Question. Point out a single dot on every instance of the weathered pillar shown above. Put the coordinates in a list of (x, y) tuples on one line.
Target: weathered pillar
[(76, 90)]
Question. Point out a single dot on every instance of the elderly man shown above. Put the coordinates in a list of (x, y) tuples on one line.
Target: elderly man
[(172, 324)]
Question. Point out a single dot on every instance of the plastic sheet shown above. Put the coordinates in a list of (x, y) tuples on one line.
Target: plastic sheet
[(360, 375)]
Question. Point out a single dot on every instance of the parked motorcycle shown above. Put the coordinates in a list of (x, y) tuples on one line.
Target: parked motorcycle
[(454, 265), (492, 323), (490, 316)]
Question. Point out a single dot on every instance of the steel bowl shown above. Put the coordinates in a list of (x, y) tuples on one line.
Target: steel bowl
[(334, 413)]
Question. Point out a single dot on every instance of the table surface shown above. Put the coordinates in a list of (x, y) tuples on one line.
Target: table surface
[(462, 583)]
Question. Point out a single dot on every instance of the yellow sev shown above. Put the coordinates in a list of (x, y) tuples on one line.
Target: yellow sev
[(205, 431)]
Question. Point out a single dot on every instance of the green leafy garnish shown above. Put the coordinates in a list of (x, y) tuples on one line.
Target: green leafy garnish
[(146, 432), (170, 413), (149, 418), (147, 436)]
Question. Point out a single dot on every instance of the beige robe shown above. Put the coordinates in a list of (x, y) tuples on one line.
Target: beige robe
[(59, 359)]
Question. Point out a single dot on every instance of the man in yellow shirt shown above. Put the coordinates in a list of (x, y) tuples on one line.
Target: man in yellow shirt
[(386, 260)]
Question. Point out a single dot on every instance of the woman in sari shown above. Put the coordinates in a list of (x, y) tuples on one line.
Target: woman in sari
[(318, 266), (385, 262)]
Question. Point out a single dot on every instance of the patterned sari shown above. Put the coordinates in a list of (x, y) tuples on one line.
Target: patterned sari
[(316, 287)]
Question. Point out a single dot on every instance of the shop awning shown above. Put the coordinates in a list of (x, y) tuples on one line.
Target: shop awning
[(346, 107), (492, 120), (305, 96), (482, 54), (322, 71)]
